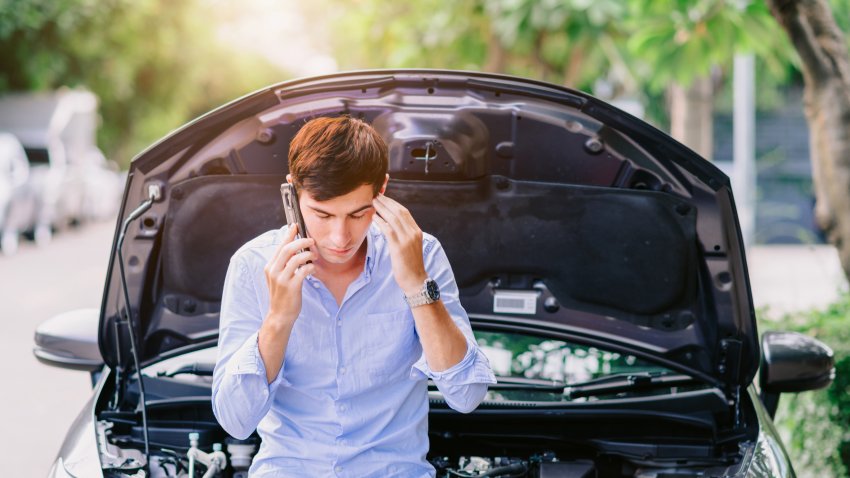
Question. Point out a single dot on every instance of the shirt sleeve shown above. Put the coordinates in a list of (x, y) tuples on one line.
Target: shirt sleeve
[(464, 385), (241, 395)]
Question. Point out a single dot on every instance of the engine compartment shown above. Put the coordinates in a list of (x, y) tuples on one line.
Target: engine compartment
[(500, 439), (205, 454)]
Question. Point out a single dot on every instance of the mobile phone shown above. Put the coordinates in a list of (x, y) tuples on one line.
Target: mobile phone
[(293, 210)]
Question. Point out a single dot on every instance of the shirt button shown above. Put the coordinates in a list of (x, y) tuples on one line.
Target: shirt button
[(339, 323), (341, 407), (338, 469), (315, 285), (342, 370)]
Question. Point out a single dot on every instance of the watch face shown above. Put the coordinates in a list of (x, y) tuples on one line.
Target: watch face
[(433, 290)]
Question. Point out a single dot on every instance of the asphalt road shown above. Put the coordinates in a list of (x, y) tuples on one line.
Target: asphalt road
[(37, 402)]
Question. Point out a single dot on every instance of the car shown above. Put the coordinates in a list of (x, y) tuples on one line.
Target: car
[(600, 262), (14, 170), (70, 181)]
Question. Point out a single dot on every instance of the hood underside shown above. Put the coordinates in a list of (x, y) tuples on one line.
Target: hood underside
[(627, 238)]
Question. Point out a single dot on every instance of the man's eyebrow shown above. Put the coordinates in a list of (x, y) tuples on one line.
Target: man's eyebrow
[(362, 208)]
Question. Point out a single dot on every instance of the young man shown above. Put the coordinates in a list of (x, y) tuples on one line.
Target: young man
[(327, 352)]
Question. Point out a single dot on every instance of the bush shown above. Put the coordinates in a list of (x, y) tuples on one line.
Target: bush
[(815, 426)]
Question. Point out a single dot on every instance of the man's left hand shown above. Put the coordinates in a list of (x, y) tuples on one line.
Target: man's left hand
[(405, 242)]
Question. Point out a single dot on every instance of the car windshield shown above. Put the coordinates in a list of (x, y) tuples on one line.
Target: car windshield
[(528, 368)]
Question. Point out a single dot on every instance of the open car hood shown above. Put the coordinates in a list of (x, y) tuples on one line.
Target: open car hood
[(608, 228)]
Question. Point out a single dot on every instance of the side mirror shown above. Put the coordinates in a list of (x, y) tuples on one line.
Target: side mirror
[(793, 362), (69, 341)]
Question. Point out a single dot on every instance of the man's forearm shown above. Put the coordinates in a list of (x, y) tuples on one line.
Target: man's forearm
[(442, 341), (271, 341)]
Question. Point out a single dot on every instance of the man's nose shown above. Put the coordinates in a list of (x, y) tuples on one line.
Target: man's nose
[(340, 234)]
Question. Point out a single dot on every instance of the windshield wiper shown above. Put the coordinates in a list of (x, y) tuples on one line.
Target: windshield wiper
[(196, 368), (628, 382), (522, 383)]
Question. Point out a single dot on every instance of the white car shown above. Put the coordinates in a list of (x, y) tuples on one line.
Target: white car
[(14, 172)]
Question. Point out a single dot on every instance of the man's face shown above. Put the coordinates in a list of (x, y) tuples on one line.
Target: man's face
[(338, 225)]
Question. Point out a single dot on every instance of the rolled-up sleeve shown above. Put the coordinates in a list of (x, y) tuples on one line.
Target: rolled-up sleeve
[(241, 395), (463, 385)]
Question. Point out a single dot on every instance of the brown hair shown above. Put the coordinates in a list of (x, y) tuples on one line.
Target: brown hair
[(330, 157)]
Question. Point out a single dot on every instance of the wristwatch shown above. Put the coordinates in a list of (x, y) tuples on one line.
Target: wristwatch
[(429, 294)]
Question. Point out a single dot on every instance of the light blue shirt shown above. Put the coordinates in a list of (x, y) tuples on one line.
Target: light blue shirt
[(351, 399)]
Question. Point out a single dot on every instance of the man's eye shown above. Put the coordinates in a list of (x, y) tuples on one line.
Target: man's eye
[(322, 217), (359, 216)]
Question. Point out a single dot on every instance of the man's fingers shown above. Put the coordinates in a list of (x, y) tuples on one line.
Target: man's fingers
[(286, 252), (289, 237), (302, 272), (297, 261), (388, 215), (402, 216), (384, 227)]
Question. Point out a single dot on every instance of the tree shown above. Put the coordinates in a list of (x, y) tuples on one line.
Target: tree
[(686, 46), (825, 64), (638, 48), (154, 64)]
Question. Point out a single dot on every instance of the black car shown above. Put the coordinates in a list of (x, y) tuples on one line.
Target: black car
[(600, 262)]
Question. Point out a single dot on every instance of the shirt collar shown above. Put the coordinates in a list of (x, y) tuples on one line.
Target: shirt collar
[(374, 240)]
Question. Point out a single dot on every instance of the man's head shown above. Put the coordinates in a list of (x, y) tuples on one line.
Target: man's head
[(331, 157), (338, 165)]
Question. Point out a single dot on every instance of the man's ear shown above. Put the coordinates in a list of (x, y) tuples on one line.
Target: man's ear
[(289, 178), (384, 186)]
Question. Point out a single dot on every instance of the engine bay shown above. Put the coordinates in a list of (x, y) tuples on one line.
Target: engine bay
[(494, 441), (197, 456)]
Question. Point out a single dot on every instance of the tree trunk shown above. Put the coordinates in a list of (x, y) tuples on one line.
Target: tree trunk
[(691, 115), (826, 72), (497, 57)]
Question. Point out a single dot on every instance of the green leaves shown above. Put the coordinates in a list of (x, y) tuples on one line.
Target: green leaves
[(154, 64)]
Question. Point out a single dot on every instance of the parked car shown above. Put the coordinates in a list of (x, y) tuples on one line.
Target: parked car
[(600, 262), (14, 170), (70, 181)]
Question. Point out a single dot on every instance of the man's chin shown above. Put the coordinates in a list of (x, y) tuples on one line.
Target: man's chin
[(335, 258)]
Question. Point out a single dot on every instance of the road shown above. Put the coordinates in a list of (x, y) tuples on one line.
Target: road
[(38, 403)]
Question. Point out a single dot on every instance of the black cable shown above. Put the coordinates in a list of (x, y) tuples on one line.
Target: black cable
[(132, 217)]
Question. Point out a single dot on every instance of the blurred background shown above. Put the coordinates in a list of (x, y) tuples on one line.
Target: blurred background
[(85, 85)]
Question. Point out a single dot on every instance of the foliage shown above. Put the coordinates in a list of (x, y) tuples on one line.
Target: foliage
[(154, 64), (632, 48), (679, 40), (816, 425)]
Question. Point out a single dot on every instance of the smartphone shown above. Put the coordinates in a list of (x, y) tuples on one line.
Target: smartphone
[(293, 210)]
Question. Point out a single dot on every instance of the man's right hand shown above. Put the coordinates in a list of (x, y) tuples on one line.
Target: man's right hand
[(285, 274)]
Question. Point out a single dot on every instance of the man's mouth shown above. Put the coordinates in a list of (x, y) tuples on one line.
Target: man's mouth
[(340, 252)]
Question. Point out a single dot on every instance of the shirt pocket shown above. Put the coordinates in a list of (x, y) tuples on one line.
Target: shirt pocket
[(390, 343)]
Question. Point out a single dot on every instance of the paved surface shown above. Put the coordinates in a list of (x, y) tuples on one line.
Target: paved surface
[(38, 403), (788, 278)]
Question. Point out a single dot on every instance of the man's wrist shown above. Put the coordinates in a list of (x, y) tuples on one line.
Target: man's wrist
[(428, 293), (277, 323), (413, 286)]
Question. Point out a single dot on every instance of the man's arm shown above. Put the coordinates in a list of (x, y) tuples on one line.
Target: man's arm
[(450, 355), (285, 274), (251, 346)]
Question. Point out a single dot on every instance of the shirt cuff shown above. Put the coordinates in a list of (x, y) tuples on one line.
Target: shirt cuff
[(247, 361), (473, 368)]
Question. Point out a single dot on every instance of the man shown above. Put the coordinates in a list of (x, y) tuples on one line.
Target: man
[(327, 352)]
